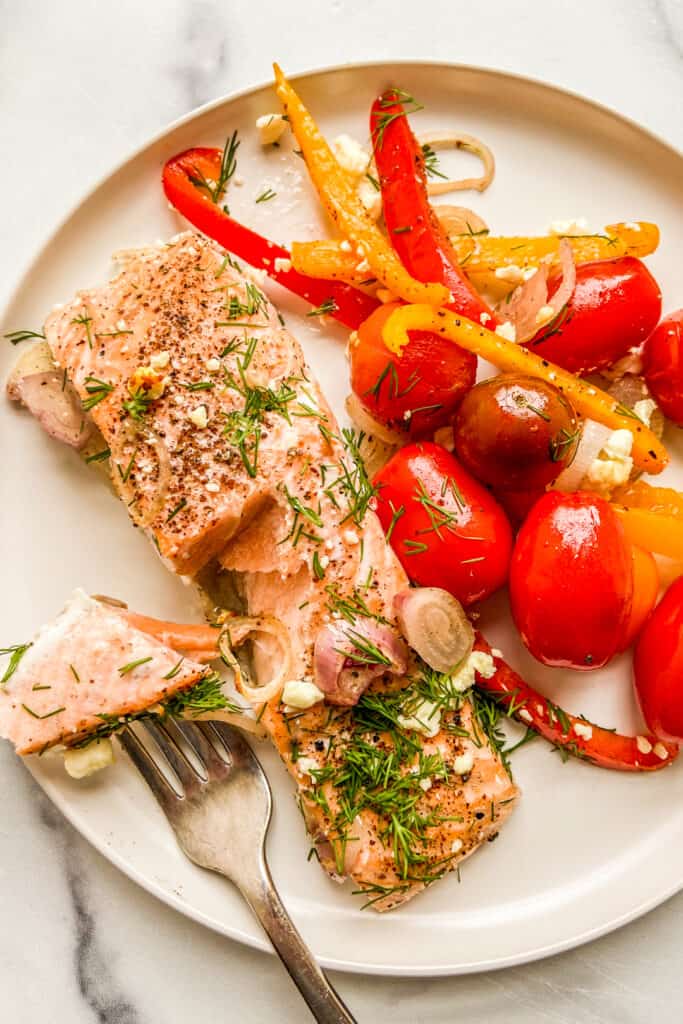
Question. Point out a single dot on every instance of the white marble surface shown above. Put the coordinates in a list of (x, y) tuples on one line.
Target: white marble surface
[(81, 84)]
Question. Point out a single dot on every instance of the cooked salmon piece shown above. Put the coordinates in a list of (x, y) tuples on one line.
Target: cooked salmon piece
[(87, 668), (228, 455)]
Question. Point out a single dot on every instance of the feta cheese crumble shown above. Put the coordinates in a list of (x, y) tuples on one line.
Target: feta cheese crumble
[(463, 763), (199, 416), (569, 227), (350, 155), (85, 761), (613, 464), (507, 331), (271, 128), (301, 694), (425, 719)]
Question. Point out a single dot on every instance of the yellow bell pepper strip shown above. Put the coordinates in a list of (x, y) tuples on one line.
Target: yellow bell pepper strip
[(649, 454), (638, 494), (347, 213), (653, 531), (479, 255)]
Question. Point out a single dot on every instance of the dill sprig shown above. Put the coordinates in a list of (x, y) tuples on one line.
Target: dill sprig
[(227, 169), (15, 337), (352, 483), (301, 512), (382, 121), (97, 391), (84, 320), (326, 308), (16, 652), (202, 698), (350, 606), (265, 196), (431, 161), (363, 651), (137, 406)]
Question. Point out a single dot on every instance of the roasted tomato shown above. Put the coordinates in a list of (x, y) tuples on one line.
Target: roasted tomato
[(446, 529), (615, 305), (571, 581), (658, 666), (515, 433), (417, 391), (663, 365)]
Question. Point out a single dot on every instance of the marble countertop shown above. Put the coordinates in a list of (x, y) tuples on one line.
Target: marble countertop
[(82, 84)]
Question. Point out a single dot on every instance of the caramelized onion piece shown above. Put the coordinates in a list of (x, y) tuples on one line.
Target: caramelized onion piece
[(348, 657), (435, 625), (460, 140), (458, 220), (56, 406), (593, 439), (236, 631)]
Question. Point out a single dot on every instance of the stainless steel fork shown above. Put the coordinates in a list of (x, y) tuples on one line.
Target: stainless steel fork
[(220, 819)]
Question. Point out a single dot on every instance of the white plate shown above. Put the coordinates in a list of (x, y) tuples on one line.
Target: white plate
[(587, 849)]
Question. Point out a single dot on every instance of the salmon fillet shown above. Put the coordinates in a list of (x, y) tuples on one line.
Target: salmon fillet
[(267, 488), (87, 667)]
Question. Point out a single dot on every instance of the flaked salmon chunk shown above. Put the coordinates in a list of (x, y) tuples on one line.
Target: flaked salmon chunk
[(264, 484), (88, 667)]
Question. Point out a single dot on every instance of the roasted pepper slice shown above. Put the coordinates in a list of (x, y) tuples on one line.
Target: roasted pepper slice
[(414, 229), (345, 209), (569, 733), (649, 454), (346, 304)]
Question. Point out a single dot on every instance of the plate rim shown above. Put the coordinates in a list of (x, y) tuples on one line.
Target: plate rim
[(99, 842)]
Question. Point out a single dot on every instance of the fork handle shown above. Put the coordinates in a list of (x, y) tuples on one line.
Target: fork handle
[(321, 998)]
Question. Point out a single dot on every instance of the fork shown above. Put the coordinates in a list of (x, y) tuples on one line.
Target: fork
[(220, 820)]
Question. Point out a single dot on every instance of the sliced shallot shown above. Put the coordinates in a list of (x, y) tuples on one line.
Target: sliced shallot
[(348, 657), (530, 299), (56, 406), (460, 140), (593, 439), (458, 220), (435, 625), (236, 631)]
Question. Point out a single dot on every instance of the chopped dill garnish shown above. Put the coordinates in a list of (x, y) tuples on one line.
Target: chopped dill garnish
[(85, 321), (97, 391), (204, 697), (15, 337), (17, 652), (431, 161), (179, 507), (175, 670), (396, 514), (383, 120), (125, 669), (264, 196), (99, 456), (227, 169), (326, 308), (49, 714)]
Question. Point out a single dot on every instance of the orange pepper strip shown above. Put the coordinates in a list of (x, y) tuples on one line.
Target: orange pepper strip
[(663, 500), (653, 531), (345, 209), (649, 454), (480, 255)]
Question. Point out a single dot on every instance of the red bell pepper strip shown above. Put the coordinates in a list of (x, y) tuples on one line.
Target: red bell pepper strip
[(414, 229), (345, 303), (589, 742)]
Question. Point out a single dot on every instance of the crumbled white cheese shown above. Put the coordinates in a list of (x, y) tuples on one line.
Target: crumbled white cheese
[(307, 765), (525, 715), (463, 763), (271, 128), (544, 314), (569, 227), (370, 198), (425, 784), (345, 245), (199, 416), (350, 537), (507, 331), (213, 487), (632, 225), (87, 760), (512, 274), (213, 365), (529, 273), (425, 719), (584, 730), (280, 263), (121, 325), (613, 464), (478, 662), (495, 653), (643, 744), (160, 360), (407, 415), (644, 409), (350, 155), (301, 694), (456, 846), (363, 267), (484, 318), (661, 751), (324, 561)]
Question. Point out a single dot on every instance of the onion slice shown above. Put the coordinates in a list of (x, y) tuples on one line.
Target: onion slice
[(458, 220), (348, 657), (55, 404), (568, 283), (526, 302), (435, 625), (460, 140), (593, 439), (236, 631)]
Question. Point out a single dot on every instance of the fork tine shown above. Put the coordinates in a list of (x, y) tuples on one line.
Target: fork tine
[(184, 769), (144, 763), (193, 733), (232, 738)]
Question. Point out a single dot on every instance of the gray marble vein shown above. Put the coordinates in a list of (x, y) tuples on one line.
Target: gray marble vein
[(82, 84)]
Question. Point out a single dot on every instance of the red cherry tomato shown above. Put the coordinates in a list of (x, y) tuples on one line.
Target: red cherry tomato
[(571, 581), (658, 666), (418, 390), (663, 365), (445, 528), (615, 305)]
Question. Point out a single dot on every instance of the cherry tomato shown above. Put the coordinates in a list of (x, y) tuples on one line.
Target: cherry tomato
[(663, 365), (615, 305), (571, 581), (515, 432), (658, 666), (645, 591), (418, 390), (446, 529)]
